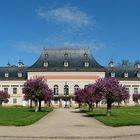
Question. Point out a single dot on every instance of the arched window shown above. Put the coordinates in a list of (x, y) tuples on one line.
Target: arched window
[(66, 89), (76, 87), (56, 91)]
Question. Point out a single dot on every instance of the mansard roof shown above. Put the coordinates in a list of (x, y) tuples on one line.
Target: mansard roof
[(13, 71), (120, 71), (76, 59)]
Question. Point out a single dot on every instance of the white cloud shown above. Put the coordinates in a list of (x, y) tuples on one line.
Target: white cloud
[(28, 47), (36, 48), (93, 45), (67, 15)]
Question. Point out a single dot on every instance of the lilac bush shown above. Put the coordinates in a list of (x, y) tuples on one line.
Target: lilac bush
[(88, 95), (108, 90), (79, 97), (111, 92), (37, 90), (89, 92), (4, 97)]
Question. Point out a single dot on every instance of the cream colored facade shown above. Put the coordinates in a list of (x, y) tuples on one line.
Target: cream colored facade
[(69, 67), (18, 97), (133, 86), (14, 88)]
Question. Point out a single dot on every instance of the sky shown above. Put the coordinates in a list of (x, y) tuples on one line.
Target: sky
[(110, 28)]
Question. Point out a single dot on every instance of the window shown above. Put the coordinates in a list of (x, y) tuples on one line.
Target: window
[(127, 100), (46, 64), (20, 74), (136, 90), (7, 74), (125, 74), (66, 55), (66, 90), (85, 55), (85, 86), (22, 90), (14, 101), (76, 87), (6, 90), (46, 54), (55, 101), (111, 64), (66, 64), (138, 75), (56, 92), (86, 64), (14, 90), (112, 74)]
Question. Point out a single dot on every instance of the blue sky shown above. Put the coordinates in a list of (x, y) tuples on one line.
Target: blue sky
[(110, 28)]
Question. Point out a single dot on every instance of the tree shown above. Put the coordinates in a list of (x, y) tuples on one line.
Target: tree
[(89, 98), (88, 95), (79, 97), (37, 90), (111, 92), (4, 97)]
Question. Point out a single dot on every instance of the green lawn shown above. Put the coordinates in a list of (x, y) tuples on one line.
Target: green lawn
[(120, 116), (20, 116)]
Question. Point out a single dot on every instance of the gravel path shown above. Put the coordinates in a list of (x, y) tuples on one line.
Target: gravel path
[(62, 124)]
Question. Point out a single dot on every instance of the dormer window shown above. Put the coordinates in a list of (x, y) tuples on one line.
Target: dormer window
[(66, 64), (66, 55), (6, 74), (86, 64), (125, 75), (20, 74), (138, 75), (111, 64), (85, 55), (46, 64), (46, 55), (112, 74)]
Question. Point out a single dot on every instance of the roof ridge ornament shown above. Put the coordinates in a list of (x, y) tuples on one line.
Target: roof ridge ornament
[(111, 63), (20, 63), (8, 64)]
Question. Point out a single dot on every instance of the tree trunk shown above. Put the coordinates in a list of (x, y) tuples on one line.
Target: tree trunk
[(39, 106), (90, 106), (79, 105), (31, 103), (96, 104), (0, 103), (49, 103), (36, 106), (108, 113), (118, 103)]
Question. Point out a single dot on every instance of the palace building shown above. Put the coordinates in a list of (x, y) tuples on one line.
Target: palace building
[(65, 70)]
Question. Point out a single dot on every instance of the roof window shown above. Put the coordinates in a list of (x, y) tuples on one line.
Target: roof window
[(46, 64), (86, 64), (125, 75), (20, 74), (66, 64), (112, 74), (138, 75), (6, 74)]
